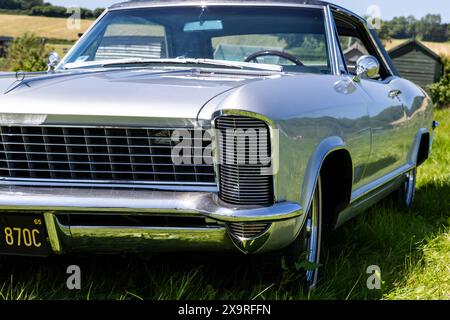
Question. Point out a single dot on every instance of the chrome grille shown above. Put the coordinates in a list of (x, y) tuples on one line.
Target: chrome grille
[(248, 183), (116, 155), (248, 230)]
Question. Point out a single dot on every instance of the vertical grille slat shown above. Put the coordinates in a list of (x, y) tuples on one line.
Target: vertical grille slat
[(90, 151), (130, 151), (110, 154), (69, 152), (28, 152), (243, 179), (98, 155)]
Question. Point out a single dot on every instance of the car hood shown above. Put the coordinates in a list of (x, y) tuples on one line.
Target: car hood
[(126, 93)]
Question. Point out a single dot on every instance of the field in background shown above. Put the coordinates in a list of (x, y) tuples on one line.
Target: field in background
[(51, 28), (412, 248)]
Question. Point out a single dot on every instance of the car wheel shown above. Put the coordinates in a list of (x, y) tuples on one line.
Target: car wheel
[(407, 190), (303, 253), (307, 246)]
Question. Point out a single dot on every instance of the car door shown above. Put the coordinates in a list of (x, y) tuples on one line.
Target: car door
[(386, 110), (387, 117)]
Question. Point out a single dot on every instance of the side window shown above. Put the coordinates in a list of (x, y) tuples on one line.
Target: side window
[(352, 49), (355, 42)]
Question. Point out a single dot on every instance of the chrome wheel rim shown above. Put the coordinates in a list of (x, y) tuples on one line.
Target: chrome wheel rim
[(410, 187), (313, 224)]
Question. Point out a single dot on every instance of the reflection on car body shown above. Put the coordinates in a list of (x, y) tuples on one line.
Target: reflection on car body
[(94, 160)]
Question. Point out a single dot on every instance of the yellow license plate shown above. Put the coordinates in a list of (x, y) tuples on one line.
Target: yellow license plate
[(23, 235)]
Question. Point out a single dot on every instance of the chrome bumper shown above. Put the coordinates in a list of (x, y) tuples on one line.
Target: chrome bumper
[(284, 219)]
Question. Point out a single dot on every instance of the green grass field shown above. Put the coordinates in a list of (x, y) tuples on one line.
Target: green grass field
[(412, 248)]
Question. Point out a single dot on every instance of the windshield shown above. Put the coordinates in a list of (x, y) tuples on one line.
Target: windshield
[(294, 38)]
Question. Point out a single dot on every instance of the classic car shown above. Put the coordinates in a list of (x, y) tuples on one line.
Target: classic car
[(220, 126)]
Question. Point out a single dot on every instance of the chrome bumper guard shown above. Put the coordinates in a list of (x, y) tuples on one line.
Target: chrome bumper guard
[(53, 202)]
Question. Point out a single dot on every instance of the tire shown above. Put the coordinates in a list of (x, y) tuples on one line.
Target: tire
[(307, 246), (405, 194)]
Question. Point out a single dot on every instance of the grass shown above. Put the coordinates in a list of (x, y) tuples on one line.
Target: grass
[(412, 248)]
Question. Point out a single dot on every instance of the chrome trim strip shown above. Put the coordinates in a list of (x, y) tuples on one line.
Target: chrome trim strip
[(147, 239), (78, 126), (368, 195), (331, 40), (200, 3), (52, 230), (366, 190), (367, 30), (139, 202), (205, 187)]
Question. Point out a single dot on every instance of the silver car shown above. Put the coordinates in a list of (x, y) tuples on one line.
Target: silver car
[(225, 126)]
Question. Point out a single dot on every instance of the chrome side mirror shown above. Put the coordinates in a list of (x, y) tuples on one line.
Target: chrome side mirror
[(367, 67), (53, 61)]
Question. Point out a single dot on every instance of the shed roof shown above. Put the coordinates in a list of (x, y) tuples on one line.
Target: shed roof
[(411, 44)]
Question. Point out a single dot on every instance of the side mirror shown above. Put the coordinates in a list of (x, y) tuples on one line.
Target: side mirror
[(53, 60), (367, 67)]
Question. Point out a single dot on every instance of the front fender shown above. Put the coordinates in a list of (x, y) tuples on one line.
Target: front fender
[(312, 173)]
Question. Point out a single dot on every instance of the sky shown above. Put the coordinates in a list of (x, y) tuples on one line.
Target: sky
[(387, 8)]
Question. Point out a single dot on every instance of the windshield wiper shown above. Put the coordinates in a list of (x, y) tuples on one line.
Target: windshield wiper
[(210, 62)]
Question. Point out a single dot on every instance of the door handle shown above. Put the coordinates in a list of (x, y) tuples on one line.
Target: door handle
[(394, 93)]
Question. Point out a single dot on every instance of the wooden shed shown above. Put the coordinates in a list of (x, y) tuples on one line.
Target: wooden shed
[(416, 62)]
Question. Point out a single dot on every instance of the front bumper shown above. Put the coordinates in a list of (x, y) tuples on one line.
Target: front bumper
[(283, 219)]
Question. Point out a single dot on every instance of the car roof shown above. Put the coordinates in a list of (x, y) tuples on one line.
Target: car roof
[(134, 3), (149, 3)]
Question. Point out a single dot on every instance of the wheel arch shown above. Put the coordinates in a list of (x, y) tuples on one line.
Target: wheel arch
[(421, 148), (329, 155)]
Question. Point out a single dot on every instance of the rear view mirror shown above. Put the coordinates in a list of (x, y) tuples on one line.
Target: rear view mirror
[(209, 25)]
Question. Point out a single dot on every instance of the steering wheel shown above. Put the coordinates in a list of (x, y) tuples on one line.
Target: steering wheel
[(276, 53)]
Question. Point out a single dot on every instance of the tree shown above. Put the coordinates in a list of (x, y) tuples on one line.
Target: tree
[(440, 92), (28, 53), (49, 11), (98, 12), (9, 4), (28, 4), (429, 28)]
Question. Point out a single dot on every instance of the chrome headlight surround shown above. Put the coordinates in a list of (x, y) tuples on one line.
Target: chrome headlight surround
[(274, 146)]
